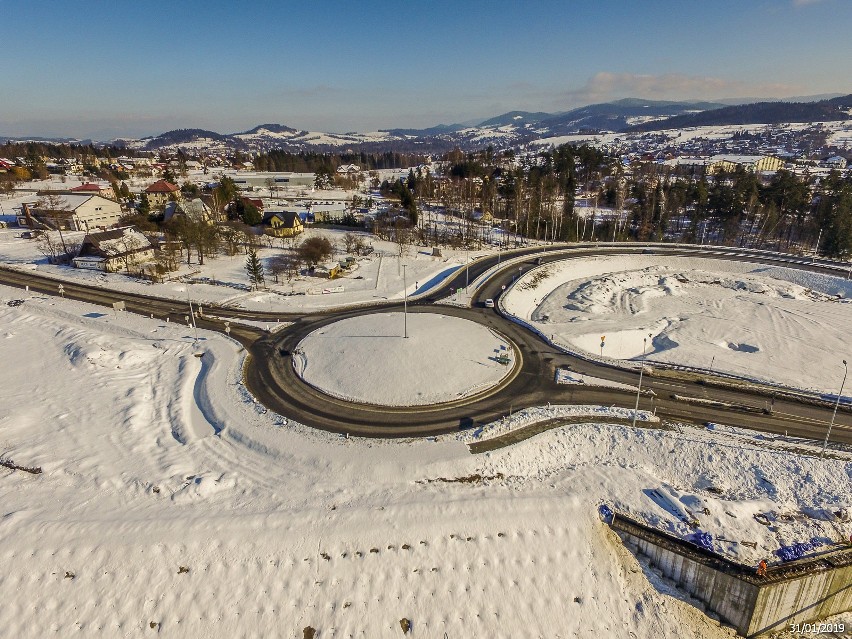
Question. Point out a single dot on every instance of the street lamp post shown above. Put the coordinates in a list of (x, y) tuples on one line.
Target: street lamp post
[(836, 403), (405, 304), (191, 313), (641, 370)]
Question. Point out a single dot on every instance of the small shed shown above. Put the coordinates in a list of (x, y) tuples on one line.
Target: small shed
[(329, 270)]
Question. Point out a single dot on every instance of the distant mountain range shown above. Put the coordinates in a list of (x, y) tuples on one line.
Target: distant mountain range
[(830, 110), (514, 128)]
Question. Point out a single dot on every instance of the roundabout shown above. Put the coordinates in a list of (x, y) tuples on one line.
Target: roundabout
[(390, 359), (271, 379)]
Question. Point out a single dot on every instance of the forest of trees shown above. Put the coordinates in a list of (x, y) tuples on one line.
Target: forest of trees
[(33, 152), (533, 197), (312, 161)]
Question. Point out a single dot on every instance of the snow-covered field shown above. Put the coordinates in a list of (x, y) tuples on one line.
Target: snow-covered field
[(171, 503), (223, 280), (366, 359), (772, 324)]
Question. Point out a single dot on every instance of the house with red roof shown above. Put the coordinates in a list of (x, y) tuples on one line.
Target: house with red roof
[(161, 192), (95, 189), (254, 201)]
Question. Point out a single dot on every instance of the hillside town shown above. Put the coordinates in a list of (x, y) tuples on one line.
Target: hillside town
[(729, 186)]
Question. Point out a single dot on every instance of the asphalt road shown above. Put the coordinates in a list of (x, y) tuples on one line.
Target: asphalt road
[(271, 378)]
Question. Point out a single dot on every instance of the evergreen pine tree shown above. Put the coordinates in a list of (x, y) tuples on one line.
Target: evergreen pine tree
[(144, 207), (254, 269)]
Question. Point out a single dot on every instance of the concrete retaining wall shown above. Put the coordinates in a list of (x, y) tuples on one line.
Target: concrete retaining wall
[(730, 598), (808, 598), (797, 592)]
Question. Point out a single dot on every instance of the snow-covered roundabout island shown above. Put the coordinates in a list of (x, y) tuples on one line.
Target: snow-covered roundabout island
[(767, 323), (366, 359)]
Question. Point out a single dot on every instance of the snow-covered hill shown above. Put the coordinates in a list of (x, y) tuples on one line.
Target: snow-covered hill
[(623, 124)]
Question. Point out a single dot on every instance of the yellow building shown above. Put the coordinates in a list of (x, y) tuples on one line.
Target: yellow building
[(285, 224), (161, 192), (756, 163)]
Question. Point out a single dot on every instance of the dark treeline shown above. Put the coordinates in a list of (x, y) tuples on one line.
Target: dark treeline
[(313, 162), (34, 152), (757, 113), (735, 208)]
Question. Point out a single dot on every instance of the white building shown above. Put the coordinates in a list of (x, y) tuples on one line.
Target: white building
[(74, 212), (836, 162)]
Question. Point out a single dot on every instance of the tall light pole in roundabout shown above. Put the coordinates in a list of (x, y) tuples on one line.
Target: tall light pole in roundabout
[(836, 403), (641, 370)]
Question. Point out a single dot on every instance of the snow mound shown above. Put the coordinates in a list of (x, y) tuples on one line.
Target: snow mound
[(366, 359), (770, 324)]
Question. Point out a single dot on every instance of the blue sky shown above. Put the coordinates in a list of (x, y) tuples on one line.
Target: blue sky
[(121, 67)]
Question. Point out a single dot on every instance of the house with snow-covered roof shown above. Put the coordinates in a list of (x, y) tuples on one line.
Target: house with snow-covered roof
[(195, 210), (113, 250), (71, 211)]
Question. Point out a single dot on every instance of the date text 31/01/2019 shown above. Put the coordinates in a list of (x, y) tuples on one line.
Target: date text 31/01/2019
[(817, 628)]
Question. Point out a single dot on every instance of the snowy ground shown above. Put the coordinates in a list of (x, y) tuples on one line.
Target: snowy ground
[(768, 323), (171, 503), (366, 359), (224, 281), (565, 376)]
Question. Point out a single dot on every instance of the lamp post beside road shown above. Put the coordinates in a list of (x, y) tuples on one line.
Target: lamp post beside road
[(641, 370), (836, 404), (405, 304)]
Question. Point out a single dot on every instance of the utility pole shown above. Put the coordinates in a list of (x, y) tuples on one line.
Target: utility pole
[(834, 414), (641, 370), (191, 314), (405, 304)]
